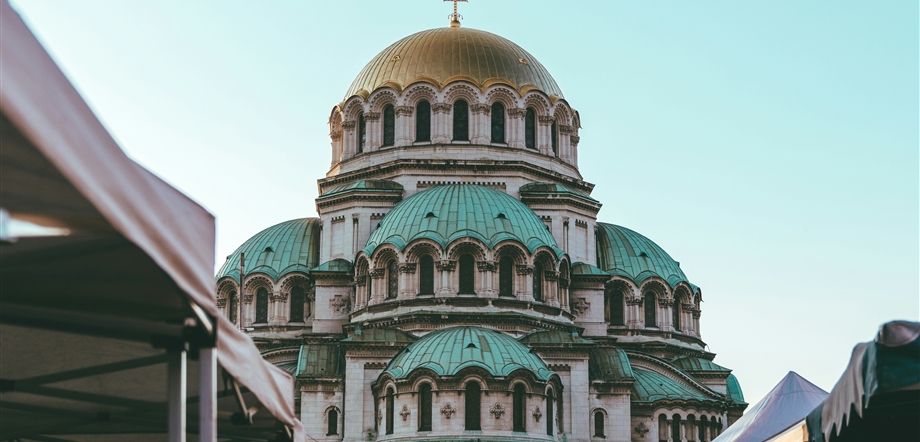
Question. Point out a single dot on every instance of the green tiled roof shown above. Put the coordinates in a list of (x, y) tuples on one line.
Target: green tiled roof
[(608, 364), (552, 188), (447, 213), (580, 268), (689, 363), (450, 350), (336, 265), (651, 386), (292, 246), (320, 361), (553, 337), (365, 186), (623, 252), (381, 335), (734, 389)]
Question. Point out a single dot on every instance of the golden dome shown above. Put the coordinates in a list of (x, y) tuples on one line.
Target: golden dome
[(444, 55)]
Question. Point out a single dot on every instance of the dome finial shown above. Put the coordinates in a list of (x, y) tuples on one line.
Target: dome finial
[(455, 17)]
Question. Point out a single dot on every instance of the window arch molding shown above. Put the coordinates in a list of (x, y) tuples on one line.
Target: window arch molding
[(380, 98), (333, 428), (288, 285), (510, 283), (602, 413), (354, 106), (418, 92)]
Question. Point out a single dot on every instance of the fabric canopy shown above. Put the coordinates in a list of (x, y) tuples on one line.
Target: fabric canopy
[(136, 258), (878, 396), (783, 407)]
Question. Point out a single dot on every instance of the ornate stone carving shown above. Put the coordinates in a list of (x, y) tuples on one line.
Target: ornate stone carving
[(664, 302), (339, 304), (641, 429), (546, 120), (516, 112), (371, 116), (695, 313), (486, 266), (447, 410), (446, 265), (523, 269), (634, 300), (377, 273), (574, 139), (281, 297), (537, 414), (248, 298), (497, 410), (563, 283), (408, 267), (349, 125), (440, 108), (405, 412), (564, 129), (404, 110), (580, 306), (479, 108), (550, 275), (221, 302), (361, 279), (379, 417), (336, 135)]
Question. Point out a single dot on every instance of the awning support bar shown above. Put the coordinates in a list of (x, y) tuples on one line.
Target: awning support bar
[(176, 391)]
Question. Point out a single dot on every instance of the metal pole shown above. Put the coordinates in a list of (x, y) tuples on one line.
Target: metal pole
[(207, 384), (239, 297), (177, 388)]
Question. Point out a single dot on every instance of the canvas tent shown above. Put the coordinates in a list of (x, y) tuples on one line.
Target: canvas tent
[(878, 396), (782, 409), (108, 318)]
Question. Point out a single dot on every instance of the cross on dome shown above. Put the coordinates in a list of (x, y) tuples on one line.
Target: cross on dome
[(455, 17)]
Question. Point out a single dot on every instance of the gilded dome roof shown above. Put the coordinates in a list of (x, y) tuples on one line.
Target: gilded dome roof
[(447, 351), (446, 213), (291, 246), (444, 55), (621, 251)]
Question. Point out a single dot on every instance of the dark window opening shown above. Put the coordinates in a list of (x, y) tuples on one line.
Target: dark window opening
[(675, 311), (423, 121), (650, 304), (297, 303), (333, 424), (552, 133), (362, 133), (530, 129), (233, 302), (262, 305), (461, 121), (389, 125), (467, 278), (550, 414), (472, 401), (498, 122), (506, 276), (599, 424), (519, 408), (538, 282), (616, 307), (675, 427), (430, 215), (426, 275), (392, 280), (391, 410), (424, 406)]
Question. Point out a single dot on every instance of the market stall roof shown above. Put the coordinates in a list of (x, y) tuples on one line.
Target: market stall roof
[(784, 406), (122, 261)]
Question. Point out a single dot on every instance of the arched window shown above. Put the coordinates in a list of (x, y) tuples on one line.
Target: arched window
[(423, 121), (599, 424), (538, 282), (550, 413), (498, 122), (426, 275), (701, 429), (332, 418), (262, 305), (424, 407), (650, 307), (233, 303), (391, 410), (392, 279), (297, 303), (362, 133), (662, 427), (675, 427), (519, 408), (675, 312), (467, 264), (389, 125), (552, 134), (506, 276), (530, 129), (472, 401), (461, 121), (616, 307)]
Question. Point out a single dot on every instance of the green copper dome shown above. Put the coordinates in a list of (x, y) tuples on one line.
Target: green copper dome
[(450, 350), (623, 252), (447, 213), (292, 246)]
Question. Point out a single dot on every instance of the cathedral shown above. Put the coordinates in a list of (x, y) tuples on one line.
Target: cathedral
[(457, 284)]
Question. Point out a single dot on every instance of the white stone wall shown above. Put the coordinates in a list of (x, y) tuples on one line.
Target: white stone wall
[(314, 411)]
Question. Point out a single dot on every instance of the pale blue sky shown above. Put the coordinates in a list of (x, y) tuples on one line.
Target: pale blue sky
[(770, 147)]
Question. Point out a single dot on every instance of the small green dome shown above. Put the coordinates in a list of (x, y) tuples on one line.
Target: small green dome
[(623, 252), (450, 350), (446, 213), (292, 246)]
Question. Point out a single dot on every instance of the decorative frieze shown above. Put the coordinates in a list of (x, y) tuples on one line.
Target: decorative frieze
[(665, 302), (574, 139), (336, 135), (546, 120), (446, 265), (524, 269), (371, 116), (221, 302), (404, 111), (377, 273), (564, 129), (550, 275), (349, 125), (361, 279), (516, 112), (486, 266), (479, 108), (440, 108), (407, 267)]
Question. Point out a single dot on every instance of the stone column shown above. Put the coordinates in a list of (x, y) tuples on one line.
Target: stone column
[(544, 143), (405, 125), (378, 292), (361, 292), (550, 278), (487, 272), (564, 147), (374, 131), (336, 137), (445, 267), (668, 432), (480, 114), (514, 132), (440, 114), (407, 288), (348, 150), (573, 154), (526, 272)]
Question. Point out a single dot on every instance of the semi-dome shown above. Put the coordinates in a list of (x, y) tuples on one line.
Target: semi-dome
[(442, 55), (447, 351), (444, 214), (287, 247), (623, 252)]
